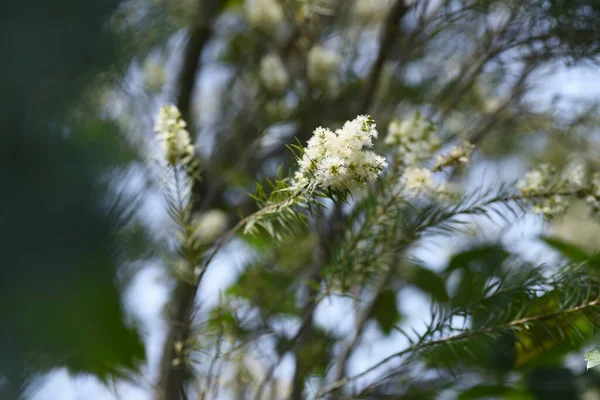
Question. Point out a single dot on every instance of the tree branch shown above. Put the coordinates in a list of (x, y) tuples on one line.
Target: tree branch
[(172, 378), (389, 34), (462, 336), (360, 326), (330, 230)]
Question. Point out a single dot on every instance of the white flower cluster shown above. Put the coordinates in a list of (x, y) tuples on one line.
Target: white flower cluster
[(264, 14), (322, 66), (551, 192), (173, 135), (273, 74), (420, 181), (338, 160), (593, 196), (416, 143), (415, 139), (457, 155)]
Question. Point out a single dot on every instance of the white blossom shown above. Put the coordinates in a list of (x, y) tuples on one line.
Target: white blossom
[(264, 14), (457, 154), (592, 199), (339, 160), (574, 175), (208, 226), (175, 140), (533, 182), (322, 65), (550, 191), (551, 206), (418, 181), (415, 139), (273, 73)]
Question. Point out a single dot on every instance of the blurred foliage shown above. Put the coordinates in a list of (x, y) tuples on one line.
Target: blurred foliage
[(59, 223)]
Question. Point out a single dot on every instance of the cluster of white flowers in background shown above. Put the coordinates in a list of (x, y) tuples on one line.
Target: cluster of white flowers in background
[(416, 143), (339, 160), (551, 191), (264, 14), (418, 180), (273, 74), (593, 196), (208, 226), (174, 138), (457, 155), (415, 139), (322, 66)]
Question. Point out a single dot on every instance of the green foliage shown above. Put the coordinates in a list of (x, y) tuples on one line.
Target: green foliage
[(484, 391), (553, 384), (568, 250), (592, 358), (60, 223), (385, 311), (257, 286), (425, 279)]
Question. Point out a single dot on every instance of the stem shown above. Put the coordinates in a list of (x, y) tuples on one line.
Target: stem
[(388, 38), (329, 231), (360, 326), (172, 378)]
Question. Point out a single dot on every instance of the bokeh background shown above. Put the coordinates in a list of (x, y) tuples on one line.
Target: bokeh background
[(86, 272)]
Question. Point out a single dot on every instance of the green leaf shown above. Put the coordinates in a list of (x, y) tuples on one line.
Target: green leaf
[(315, 352), (426, 280), (553, 384), (480, 259), (385, 311), (592, 358), (483, 391), (568, 250), (256, 285)]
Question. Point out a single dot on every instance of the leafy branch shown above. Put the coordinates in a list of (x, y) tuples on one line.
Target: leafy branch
[(519, 323)]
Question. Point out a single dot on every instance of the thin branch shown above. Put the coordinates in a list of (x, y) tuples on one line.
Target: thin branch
[(172, 378), (360, 325), (463, 336), (306, 322), (492, 119), (388, 37), (328, 232)]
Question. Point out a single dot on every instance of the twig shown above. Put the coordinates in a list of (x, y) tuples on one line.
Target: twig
[(328, 232), (388, 37), (360, 325), (307, 320), (492, 119)]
